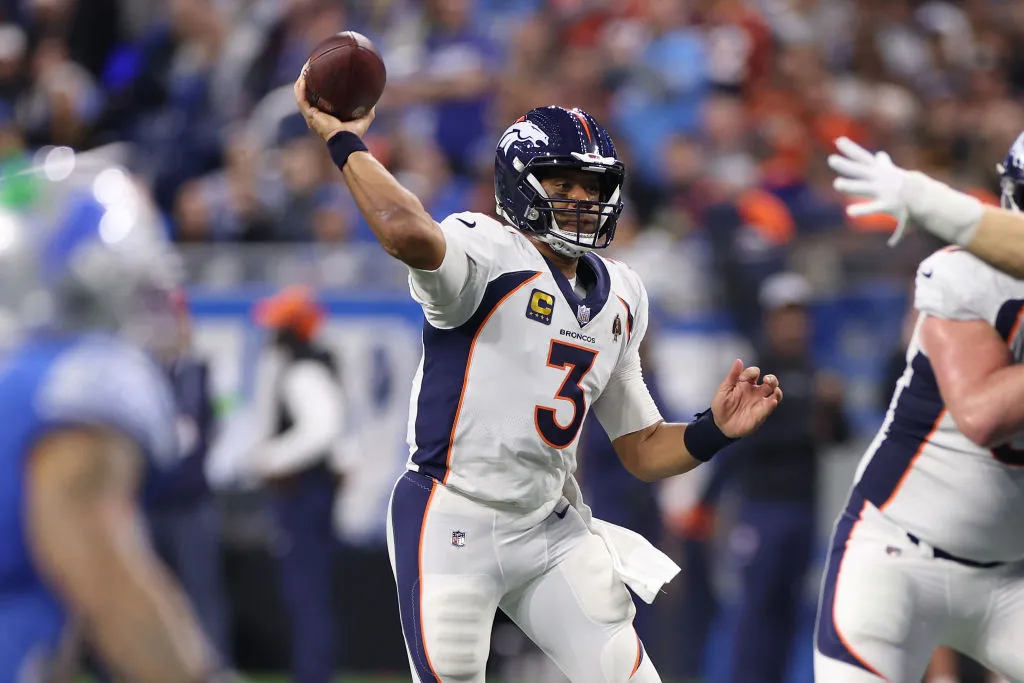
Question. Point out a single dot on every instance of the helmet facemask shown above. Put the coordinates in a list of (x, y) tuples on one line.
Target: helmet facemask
[(1012, 195), (544, 213)]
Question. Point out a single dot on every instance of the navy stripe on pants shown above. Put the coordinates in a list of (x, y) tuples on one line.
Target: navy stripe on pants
[(828, 640), (408, 517)]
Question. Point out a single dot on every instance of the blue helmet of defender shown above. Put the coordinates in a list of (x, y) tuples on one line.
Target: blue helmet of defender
[(544, 141), (83, 249), (1011, 176)]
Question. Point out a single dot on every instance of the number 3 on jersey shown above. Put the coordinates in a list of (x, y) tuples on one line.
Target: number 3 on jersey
[(579, 361)]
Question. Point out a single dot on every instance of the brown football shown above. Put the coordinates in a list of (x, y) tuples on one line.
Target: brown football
[(345, 76)]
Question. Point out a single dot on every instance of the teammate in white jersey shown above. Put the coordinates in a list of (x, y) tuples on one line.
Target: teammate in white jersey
[(930, 548), (526, 330), (995, 235)]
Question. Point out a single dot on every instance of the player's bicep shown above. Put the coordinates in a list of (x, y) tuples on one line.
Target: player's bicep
[(81, 485), (626, 405), (626, 409), (963, 354)]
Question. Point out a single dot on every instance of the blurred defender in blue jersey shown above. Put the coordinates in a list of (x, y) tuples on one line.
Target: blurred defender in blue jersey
[(88, 422)]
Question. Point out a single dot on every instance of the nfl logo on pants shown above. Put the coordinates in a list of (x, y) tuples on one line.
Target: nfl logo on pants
[(458, 538)]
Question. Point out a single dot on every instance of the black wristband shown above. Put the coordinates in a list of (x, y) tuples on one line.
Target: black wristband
[(342, 145), (703, 438)]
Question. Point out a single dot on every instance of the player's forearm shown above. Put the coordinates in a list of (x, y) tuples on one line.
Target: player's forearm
[(130, 609), (994, 413), (147, 631), (999, 240), (656, 453), (88, 541), (992, 234), (396, 216)]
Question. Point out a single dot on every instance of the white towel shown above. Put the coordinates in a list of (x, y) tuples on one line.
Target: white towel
[(640, 565), (636, 561)]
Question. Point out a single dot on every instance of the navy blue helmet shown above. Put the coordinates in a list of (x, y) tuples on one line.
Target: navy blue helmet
[(544, 141), (1011, 179)]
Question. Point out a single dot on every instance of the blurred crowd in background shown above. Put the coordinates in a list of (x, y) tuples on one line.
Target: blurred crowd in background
[(724, 111)]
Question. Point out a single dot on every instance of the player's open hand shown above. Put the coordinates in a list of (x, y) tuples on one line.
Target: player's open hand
[(742, 403), (322, 123), (874, 177), (946, 213)]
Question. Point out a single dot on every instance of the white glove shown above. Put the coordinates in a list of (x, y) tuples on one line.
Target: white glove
[(943, 211)]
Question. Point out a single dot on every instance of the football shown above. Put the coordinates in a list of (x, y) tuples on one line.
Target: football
[(345, 76)]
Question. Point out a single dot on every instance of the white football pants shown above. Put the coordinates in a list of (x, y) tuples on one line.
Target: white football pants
[(457, 561), (888, 602)]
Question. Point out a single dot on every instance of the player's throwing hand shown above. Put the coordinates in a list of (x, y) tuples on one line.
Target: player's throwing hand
[(741, 404), (322, 123)]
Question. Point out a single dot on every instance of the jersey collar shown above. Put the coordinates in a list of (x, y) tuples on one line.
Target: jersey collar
[(592, 272)]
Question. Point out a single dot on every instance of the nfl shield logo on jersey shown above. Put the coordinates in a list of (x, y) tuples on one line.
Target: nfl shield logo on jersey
[(583, 314), (616, 328), (458, 538)]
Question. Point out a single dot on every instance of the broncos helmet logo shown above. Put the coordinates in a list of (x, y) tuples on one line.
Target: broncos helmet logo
[(523, 131)]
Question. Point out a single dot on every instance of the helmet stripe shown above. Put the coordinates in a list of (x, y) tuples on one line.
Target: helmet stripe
[(586, 126)]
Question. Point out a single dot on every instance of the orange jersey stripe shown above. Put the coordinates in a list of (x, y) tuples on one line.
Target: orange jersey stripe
[(465, 377), (835, 625), (419, 598), (910, 467)]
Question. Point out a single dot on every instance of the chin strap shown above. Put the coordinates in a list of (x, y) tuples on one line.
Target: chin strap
[(562, 247), (551, 238)]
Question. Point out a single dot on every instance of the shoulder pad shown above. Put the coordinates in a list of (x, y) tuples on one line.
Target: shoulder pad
[(954, 284), (110, 383)]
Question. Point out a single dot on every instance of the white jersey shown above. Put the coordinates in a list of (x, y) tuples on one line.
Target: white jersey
[(513, 364), (920, 470)]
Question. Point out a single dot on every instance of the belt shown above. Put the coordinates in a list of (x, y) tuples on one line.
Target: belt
[(943, 555)]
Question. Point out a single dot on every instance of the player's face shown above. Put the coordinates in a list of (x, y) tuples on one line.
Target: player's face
[(566, 187)]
